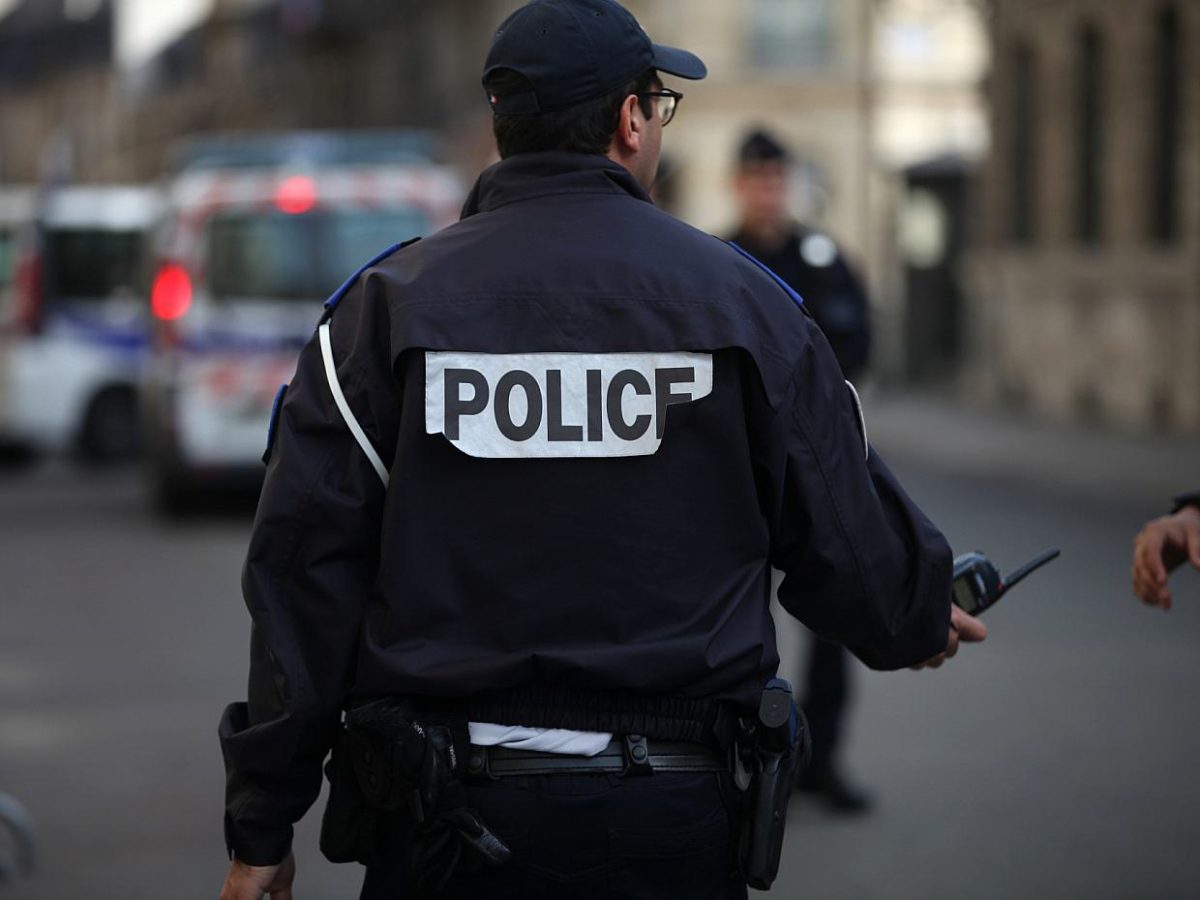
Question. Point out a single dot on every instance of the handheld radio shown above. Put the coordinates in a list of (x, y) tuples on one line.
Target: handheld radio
[(977, 582)]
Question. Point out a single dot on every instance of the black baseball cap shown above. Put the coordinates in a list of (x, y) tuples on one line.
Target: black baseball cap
[(572, 51), (760, 146)]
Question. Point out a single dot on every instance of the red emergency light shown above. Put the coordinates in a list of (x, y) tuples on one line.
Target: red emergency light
[(27, 285), (171, 296), (296, 195)]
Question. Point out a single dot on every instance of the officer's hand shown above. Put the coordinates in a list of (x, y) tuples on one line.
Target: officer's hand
[(250, 882), (963, 627), (1161, 546)]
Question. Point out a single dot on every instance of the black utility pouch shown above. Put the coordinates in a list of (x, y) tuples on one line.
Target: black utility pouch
[(373, 772), (400, 761), (349, 824)]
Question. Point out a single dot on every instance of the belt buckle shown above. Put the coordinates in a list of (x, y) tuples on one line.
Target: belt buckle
[(637, 756)]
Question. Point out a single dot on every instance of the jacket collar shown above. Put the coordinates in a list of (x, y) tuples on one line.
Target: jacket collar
[(529, 175), (790, 241)]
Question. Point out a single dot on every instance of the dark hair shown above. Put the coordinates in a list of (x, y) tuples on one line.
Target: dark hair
[(584, 128), (759, 147)]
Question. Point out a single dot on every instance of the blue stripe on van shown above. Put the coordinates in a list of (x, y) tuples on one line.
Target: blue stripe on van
[(132, 339), (216, 341), (129, 338)]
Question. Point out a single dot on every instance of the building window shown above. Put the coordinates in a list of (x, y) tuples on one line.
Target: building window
[(1089, 167), (791, 34), (1168, 75), (1023, 156)]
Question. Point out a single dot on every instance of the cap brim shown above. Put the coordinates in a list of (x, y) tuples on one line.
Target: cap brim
[(678, 62)]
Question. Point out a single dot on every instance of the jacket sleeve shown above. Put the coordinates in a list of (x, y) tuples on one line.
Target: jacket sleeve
[(312, 559), (862, 564)]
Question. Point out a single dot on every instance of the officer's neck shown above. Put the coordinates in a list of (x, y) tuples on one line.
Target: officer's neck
[(641, 166), (766, 236)]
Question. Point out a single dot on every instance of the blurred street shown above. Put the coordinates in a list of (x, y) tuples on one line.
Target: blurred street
[(991, 209), (1056, 761)]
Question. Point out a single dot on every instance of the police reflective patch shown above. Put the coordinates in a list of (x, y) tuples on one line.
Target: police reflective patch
[(509, 406), (818, 250)]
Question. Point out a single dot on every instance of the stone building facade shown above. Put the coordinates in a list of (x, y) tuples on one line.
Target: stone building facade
[(254, 66), (1086, 284), (59, 102), (249, 65), (859, 89)]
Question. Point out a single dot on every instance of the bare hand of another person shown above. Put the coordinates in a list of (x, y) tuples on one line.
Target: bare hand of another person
[(1161, 546)]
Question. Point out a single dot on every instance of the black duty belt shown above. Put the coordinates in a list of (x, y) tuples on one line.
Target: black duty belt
[(629, 755)]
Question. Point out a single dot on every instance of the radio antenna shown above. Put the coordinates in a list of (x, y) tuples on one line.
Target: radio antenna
[(1032, 566)]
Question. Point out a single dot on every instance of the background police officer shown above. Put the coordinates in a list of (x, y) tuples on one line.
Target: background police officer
[(536, 470), (809, 261)]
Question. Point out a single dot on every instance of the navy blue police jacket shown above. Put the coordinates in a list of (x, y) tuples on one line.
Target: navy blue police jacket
[(600, 429)]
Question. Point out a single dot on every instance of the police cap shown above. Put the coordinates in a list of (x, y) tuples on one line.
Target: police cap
[(573, 51)]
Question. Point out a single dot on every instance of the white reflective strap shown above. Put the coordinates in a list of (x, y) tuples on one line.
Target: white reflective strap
[(339, 398), (862, 419)]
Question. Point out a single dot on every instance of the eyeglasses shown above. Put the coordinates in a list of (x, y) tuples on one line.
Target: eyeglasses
[(668, 100)]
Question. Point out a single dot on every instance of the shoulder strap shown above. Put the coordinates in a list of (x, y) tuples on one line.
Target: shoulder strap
[(339, 398), (862, 419)]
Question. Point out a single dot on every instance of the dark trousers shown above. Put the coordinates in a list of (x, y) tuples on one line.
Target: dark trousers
[(825, 696), (594, 836)]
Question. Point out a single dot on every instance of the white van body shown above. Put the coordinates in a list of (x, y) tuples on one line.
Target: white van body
[(16, 217), (247, 256), (75, 329)]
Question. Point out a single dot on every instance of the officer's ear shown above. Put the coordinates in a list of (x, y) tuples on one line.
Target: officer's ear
[(631, 127)]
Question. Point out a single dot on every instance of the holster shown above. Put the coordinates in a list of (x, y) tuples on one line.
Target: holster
[(770, 756), (395, 772)]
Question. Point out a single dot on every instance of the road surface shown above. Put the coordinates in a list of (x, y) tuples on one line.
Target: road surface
[(1059, 760)]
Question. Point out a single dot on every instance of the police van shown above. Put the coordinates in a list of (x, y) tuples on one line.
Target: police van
[(259, 232), (16, 213), (73, 333)]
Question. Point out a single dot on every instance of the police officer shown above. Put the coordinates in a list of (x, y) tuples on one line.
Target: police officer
[(806, 258), (809, 261), (533, 472)]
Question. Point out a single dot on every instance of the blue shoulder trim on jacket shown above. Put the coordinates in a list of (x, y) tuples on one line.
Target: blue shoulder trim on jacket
[(273, 424), (788, 289), (341, 292)]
